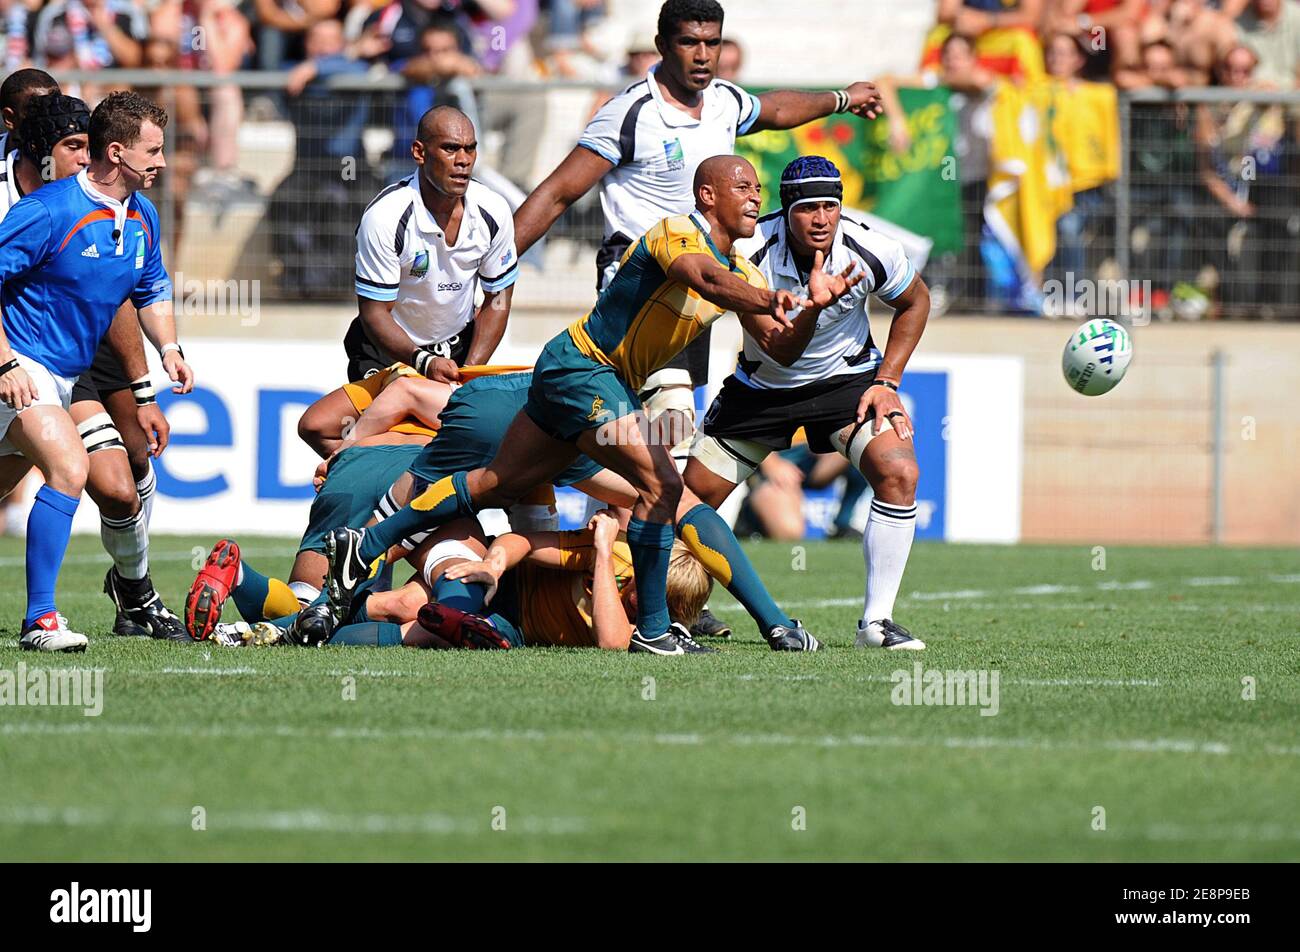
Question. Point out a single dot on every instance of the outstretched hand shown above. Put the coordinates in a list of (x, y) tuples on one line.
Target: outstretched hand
[(825, 289)]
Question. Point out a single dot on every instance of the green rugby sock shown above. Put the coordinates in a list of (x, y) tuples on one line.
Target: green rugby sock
[(711, 541)]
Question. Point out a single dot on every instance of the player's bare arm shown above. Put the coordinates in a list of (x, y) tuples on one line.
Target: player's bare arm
[(716, 284), (788, 108), (127, 344), (572, 178), (17, 389), (490, 325), (377, 316), (911, 311), (609, 623), (786, 344), (159, 325)]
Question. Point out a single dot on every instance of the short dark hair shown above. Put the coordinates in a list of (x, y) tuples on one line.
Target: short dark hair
[(676, 12), (21, 83), (119, 118), (441, 23)]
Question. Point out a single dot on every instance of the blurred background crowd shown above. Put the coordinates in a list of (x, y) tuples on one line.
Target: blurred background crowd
[(1080, 153)]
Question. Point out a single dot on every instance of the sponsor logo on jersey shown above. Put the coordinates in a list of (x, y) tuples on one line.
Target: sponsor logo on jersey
[(91, 252), (420, 266), (450, 286), (674, 155), (139, 252)]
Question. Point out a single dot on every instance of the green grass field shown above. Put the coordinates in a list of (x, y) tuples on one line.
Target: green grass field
[(1120, 689)]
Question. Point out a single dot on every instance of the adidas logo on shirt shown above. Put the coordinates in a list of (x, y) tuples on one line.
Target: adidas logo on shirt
[(91, 252)]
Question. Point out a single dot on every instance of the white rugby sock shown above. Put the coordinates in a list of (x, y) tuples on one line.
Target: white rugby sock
[(885, 547), (127, 541), (146, 489)]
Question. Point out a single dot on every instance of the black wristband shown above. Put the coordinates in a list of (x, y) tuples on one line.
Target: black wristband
[(11, 364), (421, 359), (883, 383)]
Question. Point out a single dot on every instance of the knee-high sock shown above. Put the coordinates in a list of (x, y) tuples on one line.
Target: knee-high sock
[(652, 547), (885, 546), (445, 500), (261, 598), (127, 542), (374, 634), (714, 544), (146, 488), (467, 597), (49, 526)]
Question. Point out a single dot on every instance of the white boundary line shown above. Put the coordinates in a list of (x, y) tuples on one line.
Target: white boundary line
[(1154, 745)]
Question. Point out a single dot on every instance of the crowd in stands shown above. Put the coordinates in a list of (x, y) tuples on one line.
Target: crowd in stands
[(1223, 164), (1212, 186)]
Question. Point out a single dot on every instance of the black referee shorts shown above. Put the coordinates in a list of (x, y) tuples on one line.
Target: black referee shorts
[(104, 376), (771, 417), (365, 357)]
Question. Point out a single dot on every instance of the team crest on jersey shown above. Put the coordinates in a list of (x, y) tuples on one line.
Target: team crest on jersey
[(420, 266), (598, 410), (674, 155)]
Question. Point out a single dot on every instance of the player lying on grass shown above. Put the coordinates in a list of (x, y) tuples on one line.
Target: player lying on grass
[(71, 253), (828, 377), (675, 281), (564, 589), (362, 480)]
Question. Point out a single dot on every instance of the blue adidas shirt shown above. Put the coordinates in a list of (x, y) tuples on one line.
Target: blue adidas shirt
[(63, 275)]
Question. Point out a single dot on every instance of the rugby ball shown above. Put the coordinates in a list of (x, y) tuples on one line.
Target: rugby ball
[(1096, 357)]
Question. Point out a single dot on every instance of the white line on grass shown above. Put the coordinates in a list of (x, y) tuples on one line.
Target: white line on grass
[(288, 821), (1157, 745)]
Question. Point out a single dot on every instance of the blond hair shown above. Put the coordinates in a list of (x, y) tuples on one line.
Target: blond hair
[(689, 585)]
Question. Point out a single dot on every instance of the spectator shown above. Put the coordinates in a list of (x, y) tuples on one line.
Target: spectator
[(498, 32), (1162, 170), (90, 34), (227, 39), (731, 60), (1157, 68), (569, 22), (953, 277), (1271, 30), (1242, 158), (1106, 29), (439, 73), (1198, 34), (1086, 126), (281, 25), (323, 197), (15, 18), (1003, 32), (641, 57)]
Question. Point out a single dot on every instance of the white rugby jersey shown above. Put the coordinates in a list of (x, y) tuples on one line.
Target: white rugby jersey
[(656, 149), (9, 193), (841, 345), (402, 256)]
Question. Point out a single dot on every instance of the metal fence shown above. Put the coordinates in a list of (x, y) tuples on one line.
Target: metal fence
[(267, 185)]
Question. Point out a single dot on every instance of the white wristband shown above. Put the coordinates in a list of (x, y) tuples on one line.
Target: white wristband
[(165, 348)]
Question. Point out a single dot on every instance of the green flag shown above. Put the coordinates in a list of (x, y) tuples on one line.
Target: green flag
[(917, 190)]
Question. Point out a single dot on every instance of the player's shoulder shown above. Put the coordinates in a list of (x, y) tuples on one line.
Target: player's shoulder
[(489, 203), (391, 200), (144, 205), (731, 90), (865, 242)]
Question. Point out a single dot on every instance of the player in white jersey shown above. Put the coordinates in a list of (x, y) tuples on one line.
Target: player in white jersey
[(643, 148), (425, 245), (827, 377)]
